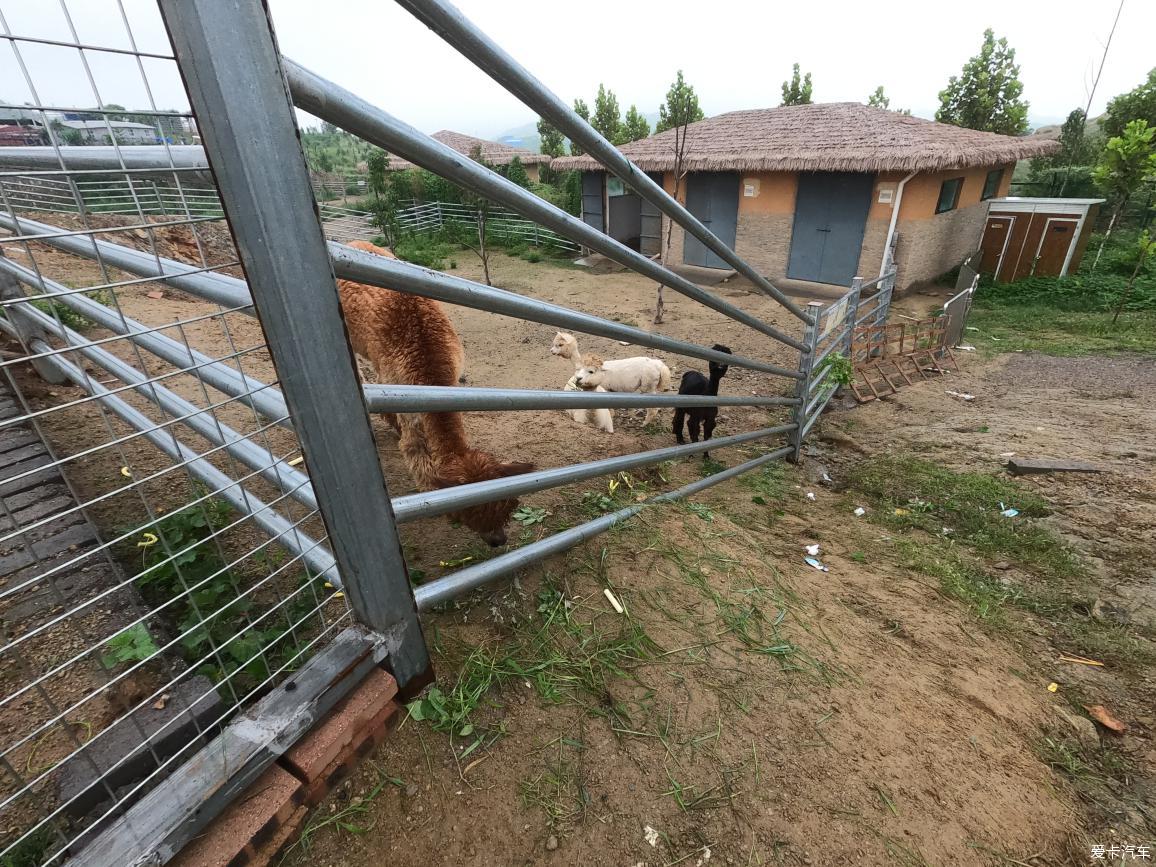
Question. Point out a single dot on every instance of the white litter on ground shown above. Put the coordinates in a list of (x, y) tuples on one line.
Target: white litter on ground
[(813, 550), (651, 835), (810, 495), (859, 512)]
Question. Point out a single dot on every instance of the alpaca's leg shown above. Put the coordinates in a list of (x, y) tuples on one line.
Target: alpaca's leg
[(707, 432), (679, 419), (693, 427)]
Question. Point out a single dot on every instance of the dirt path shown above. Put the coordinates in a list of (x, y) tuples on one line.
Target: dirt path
[(878, 722)]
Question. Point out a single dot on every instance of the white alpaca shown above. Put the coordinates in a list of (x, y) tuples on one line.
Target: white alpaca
[(640, 374), (603, 420)]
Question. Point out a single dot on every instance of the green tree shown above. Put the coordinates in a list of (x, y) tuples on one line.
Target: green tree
[(607, 117), (797, 91), (1137, 104), (635, 126), (378, 165), (553, 143), (1077, 149), (516, 172), (681, 106), (986, 95), (583, 111), (1128, 161), (878, 99), (324, 161)]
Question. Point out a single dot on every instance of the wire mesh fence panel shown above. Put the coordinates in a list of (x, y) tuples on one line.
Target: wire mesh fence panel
[(162, 566), (171, 562)]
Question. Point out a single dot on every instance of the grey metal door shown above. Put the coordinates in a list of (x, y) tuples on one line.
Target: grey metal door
[(650, 240), (713, 197), (592, 185), (830, 215)]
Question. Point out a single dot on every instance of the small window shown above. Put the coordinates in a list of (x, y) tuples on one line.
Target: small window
[(991, 185), (615, 187), (949, 195)]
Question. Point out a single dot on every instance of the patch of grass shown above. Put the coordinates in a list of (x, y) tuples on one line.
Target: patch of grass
[(768, 485), (1043, 328), (31, 851), (560, 654), (1065, 758), (960, 578), (558, 790), (352, 818), (527, 516), (915, 494)]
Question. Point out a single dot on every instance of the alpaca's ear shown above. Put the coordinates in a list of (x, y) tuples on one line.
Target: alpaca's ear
[(516, 468)]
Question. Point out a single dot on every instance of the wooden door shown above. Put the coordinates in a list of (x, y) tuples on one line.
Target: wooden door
[(995, 241), (1059, 235)]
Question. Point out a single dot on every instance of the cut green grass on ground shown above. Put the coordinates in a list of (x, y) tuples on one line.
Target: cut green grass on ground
[(1008, 328), (949, 526)]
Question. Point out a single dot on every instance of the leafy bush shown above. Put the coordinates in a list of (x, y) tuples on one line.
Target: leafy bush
[(133, 644), (1082, 292), (429, 251), (185, 574)]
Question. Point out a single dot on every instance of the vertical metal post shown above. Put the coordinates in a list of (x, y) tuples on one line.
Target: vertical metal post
[(228, 57), (803, 386), (853, 315)]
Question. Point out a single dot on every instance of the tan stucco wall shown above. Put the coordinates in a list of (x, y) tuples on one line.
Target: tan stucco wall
[(929, 243), (533, 172)]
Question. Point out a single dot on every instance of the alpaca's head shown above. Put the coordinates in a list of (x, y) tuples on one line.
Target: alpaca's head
[(716, 369), (591, 374), (564, 345), (488, 520)]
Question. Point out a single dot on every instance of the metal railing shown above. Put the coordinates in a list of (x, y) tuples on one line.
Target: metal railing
[(196, 444), (833, 335)]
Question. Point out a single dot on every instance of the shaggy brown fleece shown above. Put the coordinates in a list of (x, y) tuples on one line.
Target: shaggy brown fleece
[(411, 341)]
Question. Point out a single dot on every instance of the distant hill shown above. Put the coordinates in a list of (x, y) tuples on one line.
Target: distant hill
[(526, 136), (1052, 130)]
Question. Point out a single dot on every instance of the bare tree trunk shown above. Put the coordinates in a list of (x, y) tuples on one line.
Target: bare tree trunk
[(679, 149), (1107, 235), (1131, 280), (483, 251)]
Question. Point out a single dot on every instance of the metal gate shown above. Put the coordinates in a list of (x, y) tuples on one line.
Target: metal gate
[(194, 498)]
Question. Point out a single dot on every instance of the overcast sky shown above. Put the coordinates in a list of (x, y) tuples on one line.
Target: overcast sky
[(735, 53)]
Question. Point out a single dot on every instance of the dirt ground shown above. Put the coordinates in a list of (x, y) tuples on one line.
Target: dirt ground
[(746, 709)]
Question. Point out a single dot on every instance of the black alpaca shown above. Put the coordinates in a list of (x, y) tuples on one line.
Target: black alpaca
[(694, 382)]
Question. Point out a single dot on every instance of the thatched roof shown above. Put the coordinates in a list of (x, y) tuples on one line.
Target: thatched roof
[(836, 136), (495, 153)]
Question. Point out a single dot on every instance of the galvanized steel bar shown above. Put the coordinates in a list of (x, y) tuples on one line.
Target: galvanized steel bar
[(424, 398), (218, 288), (335, 104), (472, 577), (279, 237), (264, 398), (149, 158), (363, 267), (267, 518), (428, 503), (807, 362), (452, 26), (277, 472)]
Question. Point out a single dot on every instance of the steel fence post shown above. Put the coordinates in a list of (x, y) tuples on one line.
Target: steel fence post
[(229, 60), (853, 316), (803, 386)]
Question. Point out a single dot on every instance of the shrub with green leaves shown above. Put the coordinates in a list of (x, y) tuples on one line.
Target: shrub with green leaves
[(133, 644)]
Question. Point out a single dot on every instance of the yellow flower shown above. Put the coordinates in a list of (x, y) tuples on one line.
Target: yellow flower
[(126, 472), (613, 485), (147, 540)]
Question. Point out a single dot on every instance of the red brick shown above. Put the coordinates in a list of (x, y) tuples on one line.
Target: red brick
[(257, 814), (344, 763), (311, 755), (268, 852)]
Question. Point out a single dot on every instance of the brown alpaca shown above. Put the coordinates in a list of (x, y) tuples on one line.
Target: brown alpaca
[(410, 341)]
